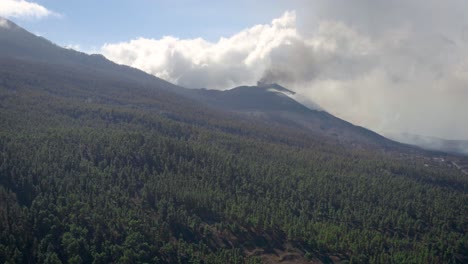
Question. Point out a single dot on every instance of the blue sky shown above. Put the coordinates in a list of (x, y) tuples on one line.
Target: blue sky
[(90, 23)]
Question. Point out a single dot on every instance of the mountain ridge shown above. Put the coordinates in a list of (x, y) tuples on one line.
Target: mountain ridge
[(18, 43), (273, 103), (270, 102)]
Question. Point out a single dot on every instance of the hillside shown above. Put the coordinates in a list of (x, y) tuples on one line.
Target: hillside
[(271, 102), (101, 163), (16, 42)]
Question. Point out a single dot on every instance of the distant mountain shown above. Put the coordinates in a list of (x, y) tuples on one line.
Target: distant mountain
[(265, 98), (268, 102), (273, 103), (432, 143)]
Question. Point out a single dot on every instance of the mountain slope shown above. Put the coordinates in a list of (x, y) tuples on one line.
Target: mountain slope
[(271, 102), (267, 101), (16, 42), (97, 166)]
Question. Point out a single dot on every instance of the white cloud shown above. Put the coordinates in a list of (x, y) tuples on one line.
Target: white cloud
[(241, 58), (246, 57), (22, 8), (401, 78)]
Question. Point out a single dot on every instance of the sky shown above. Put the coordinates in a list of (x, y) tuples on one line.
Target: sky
[(396, 66)]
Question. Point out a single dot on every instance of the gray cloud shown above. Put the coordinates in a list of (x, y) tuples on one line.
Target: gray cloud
[(392, 66), (417, 70)]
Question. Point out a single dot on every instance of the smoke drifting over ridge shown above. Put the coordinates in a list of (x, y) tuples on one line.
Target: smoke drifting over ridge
[(392, 67)]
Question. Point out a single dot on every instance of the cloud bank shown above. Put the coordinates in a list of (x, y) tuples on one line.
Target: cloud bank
[(241, 58), (22, 8), (392, 67)]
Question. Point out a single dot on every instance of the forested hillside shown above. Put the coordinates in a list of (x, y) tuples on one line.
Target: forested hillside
[(101, 163), (98, 171)]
